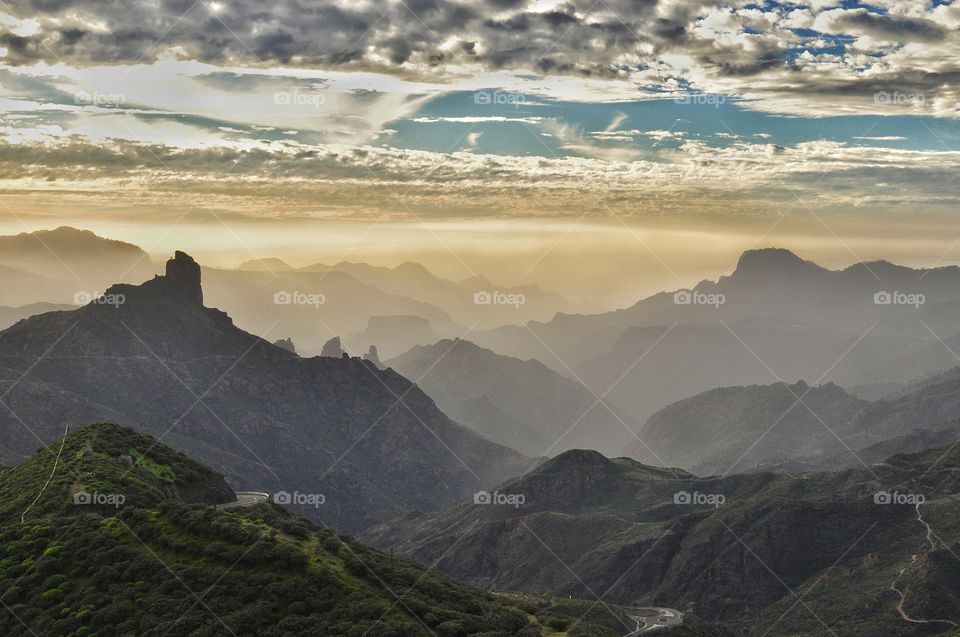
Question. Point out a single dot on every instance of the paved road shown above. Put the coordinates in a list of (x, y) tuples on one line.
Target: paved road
[(650, 619), (245, 499)]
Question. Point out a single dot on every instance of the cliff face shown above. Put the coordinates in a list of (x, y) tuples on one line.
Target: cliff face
[(154, 357)]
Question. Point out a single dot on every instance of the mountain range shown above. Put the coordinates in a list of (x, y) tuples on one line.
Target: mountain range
[(364, 304), (860, 552), (735, 429), (799, 427), (154, 357), (775, 317)]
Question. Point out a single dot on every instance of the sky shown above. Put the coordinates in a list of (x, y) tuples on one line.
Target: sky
[(604, 148)]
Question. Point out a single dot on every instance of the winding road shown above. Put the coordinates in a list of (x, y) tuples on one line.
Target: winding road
[(903, 593), (245, 499)]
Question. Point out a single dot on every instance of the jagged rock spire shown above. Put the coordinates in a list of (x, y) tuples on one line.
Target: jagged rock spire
[(183, 278)]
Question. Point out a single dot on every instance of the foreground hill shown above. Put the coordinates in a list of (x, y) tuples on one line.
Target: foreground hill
[(162, 561), (521, 404), (732, 549), (154, 357)]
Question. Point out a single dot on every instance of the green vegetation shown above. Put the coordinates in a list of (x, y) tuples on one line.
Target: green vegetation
[(108, 459), (159, 565)]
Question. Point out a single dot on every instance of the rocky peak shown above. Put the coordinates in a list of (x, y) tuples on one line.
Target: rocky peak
[(771, 260), (373, 356), (332, 348), (286, 344), (183, 278)]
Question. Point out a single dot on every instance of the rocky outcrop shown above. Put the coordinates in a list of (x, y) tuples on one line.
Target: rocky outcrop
[(286, 344), (333, 348), (373, 356)]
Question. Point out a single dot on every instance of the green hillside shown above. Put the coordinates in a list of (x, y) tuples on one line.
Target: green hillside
[(164, 561)]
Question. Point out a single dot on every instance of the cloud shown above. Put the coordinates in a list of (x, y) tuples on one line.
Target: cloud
[(290, 179), (886, 26), (638, 46), (882, 138)]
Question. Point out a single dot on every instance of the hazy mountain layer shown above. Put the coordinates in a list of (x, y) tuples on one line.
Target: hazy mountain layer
[(776, 317), (521, 404), (10, 315), (733, 429)]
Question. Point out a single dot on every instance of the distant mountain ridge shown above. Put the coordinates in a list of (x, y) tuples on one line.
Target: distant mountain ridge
[(775, 317), (73, 261), (67, 265), (521, 404), (778, 426), (735, 429)]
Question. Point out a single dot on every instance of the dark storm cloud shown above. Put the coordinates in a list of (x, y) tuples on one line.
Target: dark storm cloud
[(417, 33), (742, 48), (889, 27)]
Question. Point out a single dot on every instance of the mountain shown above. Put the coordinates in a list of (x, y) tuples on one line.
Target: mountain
[(521, 404), (733, 429), (67, 262), (121, 537), (740, 550), (154, 357), (775, 317)]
